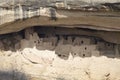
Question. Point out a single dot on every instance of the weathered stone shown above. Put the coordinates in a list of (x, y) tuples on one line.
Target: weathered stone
[(1, 45), (96, 53), (63, 51)]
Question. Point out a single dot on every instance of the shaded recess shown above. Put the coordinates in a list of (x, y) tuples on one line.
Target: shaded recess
[(13, 75), (77, 41)]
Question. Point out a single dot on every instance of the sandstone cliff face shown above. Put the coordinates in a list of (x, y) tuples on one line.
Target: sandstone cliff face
[(108, 22), (18, 67), (58, 54), (65, 45)]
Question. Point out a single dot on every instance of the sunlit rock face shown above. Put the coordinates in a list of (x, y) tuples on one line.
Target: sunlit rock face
[(104, 0), (50, 53)]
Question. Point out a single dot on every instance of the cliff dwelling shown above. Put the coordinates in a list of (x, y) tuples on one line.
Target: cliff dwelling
[(64, 41)]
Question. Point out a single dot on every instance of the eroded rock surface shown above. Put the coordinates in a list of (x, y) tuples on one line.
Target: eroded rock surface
[(37, 55)]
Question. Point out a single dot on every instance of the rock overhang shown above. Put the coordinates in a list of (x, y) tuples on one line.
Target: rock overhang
[(106, 27)]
